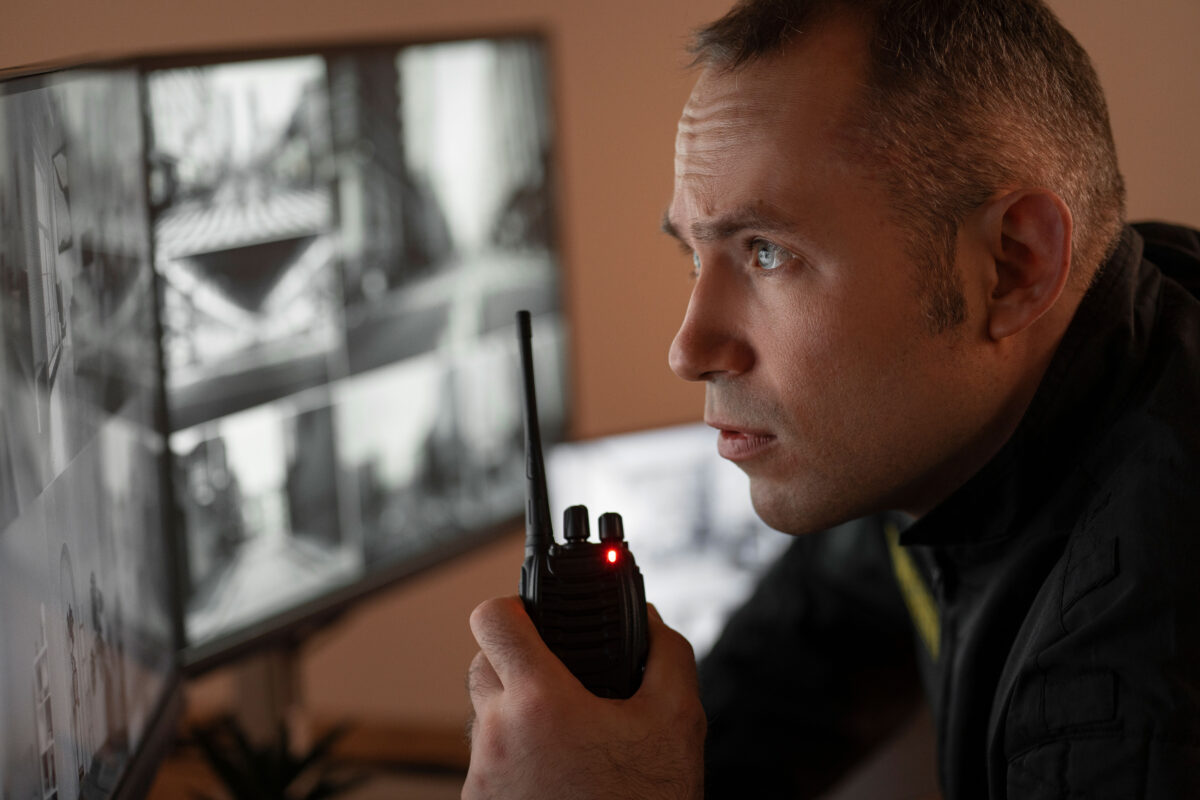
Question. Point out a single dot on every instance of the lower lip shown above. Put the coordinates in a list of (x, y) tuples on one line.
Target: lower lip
[(736, 446)]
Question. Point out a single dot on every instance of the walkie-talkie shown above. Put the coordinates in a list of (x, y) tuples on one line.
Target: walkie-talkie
[(586, 598)]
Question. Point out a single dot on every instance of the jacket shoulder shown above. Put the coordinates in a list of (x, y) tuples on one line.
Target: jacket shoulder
[(1107, 697)]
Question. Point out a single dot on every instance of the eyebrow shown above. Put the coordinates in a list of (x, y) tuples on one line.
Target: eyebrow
[(725, 226)]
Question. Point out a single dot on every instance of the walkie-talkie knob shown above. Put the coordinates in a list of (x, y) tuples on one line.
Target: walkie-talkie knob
[(575, 524), (612, 529)]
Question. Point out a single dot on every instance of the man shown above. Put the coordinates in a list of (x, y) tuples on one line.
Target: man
[(914, 299)]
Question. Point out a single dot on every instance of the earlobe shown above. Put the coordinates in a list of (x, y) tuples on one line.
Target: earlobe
[(1030, 236)]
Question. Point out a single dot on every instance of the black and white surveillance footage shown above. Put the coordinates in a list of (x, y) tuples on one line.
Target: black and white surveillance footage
[(84, 604), (344, 239)]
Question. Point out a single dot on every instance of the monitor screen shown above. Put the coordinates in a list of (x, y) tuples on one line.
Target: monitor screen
[(87, 648), (687, 514), (343, 239)]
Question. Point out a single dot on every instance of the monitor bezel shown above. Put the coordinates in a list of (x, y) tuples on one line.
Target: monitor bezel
[(157, 742)]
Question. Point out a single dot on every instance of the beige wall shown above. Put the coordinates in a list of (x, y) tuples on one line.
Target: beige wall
[(1150, 69), (619, 85)]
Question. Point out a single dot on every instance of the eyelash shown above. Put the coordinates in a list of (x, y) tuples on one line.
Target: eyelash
[(757, 245), (753, 246)]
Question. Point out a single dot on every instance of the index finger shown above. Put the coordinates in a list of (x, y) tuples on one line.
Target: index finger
[(511, 643)]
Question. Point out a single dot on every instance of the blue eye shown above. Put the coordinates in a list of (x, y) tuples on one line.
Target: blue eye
[(769, 256), (695, 263)]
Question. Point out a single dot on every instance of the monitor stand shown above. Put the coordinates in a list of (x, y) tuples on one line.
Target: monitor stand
[(267, 690)]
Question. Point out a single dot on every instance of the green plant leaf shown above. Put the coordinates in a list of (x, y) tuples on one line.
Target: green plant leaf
[(270, 771)]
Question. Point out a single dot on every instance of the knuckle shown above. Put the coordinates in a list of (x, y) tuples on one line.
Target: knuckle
[(494, 741), (678, 640), (485, 733), (476, 786), (685, 646), (680, 703), (476, 672), (469, 728), (674, 643), (545, 708), (687, 712), (536, 705)]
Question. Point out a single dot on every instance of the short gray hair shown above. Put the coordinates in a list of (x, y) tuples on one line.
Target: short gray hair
[(963, 97)]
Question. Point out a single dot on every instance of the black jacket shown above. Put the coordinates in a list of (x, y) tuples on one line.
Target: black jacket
[(1049, 609)]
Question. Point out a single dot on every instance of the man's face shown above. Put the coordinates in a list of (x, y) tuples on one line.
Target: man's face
[(805, 320)]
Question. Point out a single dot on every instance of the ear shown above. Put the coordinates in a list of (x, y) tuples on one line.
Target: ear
[(1029, 236)]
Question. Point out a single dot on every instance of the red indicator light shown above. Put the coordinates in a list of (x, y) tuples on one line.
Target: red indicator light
[(611, 555)]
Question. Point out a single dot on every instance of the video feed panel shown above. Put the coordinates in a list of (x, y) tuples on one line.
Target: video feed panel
[(344, 239), (86, 642), (688, 517)]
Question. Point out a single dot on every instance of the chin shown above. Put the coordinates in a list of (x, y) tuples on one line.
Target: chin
[(795, 512)]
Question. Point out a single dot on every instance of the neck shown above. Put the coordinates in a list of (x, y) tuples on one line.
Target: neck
[(1017, 368)]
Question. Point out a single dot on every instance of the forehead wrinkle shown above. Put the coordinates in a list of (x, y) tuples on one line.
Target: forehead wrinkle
[(698, 153), (707, 147), (723, 109), (716, 122), (739, 121)]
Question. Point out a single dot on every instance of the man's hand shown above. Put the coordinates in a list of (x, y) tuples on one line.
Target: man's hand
[(538, 733)]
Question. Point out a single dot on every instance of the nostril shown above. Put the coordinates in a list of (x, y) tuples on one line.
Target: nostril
[(681, 356)]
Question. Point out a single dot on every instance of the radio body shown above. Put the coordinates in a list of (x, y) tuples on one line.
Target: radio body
[(586, 599)]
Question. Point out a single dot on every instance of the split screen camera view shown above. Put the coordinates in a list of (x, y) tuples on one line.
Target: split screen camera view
[(343, 242)]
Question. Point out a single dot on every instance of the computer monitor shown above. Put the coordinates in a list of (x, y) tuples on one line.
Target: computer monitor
[(88, 678), (258, 358), (343, 237), (688, 519)]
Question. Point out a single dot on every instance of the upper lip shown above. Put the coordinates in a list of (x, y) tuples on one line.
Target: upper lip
[(733, 427)]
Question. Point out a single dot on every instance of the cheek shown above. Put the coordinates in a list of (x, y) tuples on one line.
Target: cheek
[(813, 354), (844, 379)]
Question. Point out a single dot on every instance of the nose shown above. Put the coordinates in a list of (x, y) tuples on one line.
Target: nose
[(711, 343)]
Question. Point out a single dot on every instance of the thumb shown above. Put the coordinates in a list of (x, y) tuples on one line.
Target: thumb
[(511, 643)]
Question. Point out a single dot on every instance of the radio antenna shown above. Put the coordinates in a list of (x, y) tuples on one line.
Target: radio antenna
[(538, 533)]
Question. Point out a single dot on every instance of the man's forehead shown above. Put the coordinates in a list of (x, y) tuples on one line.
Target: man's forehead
[(823, 68), (758, 88), (730, 118), (753, 129)]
